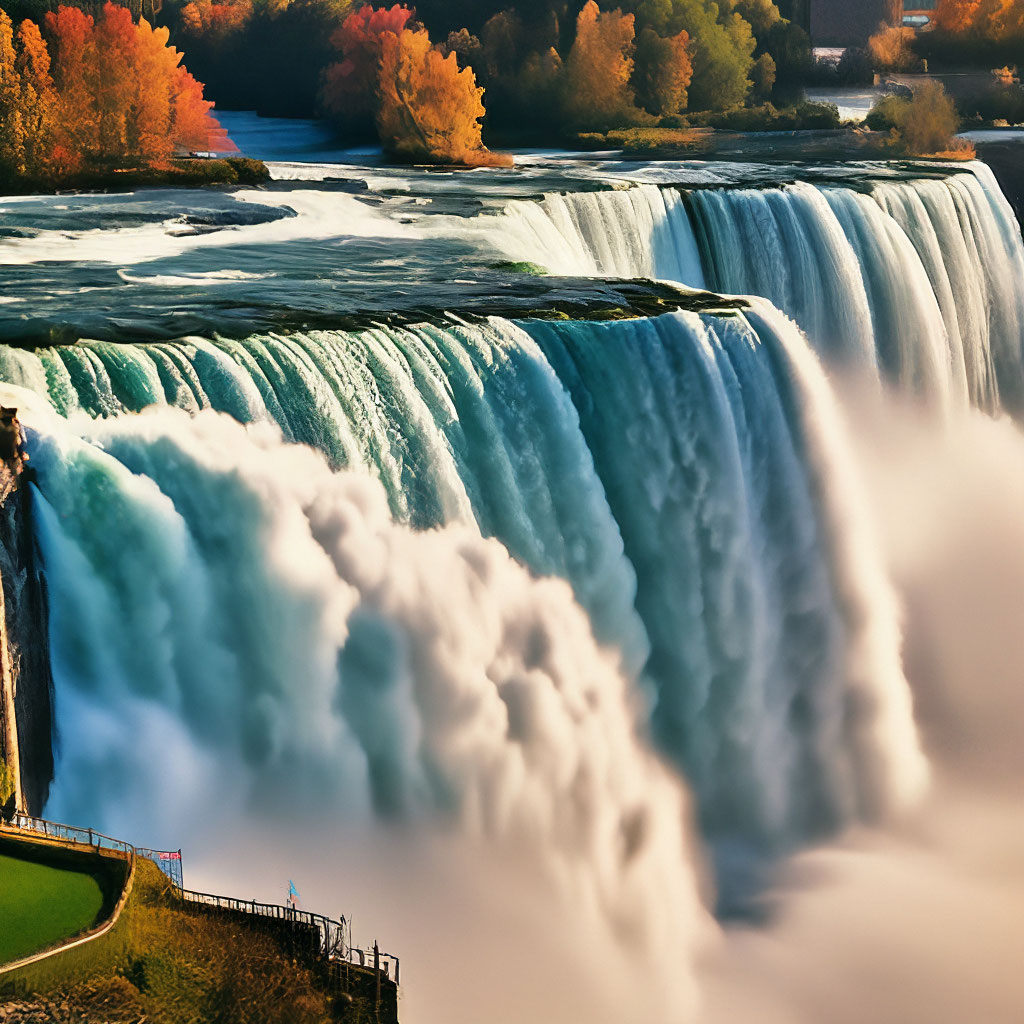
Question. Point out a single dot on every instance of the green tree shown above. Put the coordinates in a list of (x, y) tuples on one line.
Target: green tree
[(763, 76), (722, 48)]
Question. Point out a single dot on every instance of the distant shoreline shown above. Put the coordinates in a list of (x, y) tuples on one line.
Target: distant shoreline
[(184, 173)]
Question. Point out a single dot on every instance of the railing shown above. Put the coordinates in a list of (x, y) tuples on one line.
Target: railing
[(334, 943), (82, 836), (335, 936), (168, 861), (71, 834)]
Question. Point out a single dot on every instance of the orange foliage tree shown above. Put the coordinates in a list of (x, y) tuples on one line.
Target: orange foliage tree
[(955, 16), (12, 135), (38, 98), (105, 92), (998, 20), (74, 68), (598, 93), (429, 109), (351, 85), (122, 96), (891, 48)]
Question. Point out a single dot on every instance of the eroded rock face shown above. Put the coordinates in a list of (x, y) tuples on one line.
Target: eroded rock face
[(27, 683)]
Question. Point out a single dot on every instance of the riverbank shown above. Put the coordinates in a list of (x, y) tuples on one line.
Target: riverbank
[(185, 173)]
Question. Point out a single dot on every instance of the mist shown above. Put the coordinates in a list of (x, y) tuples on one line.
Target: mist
[(924, 919)]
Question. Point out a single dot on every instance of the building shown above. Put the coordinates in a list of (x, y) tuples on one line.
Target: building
[(848, 22), (918, 14)]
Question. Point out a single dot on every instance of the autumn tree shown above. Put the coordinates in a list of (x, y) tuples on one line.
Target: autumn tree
[(75, 66), (37, 100), (430, 110), (12, 136), (214, 22), (105, 92), (599, 69), (663, 72), (113, 84), (891, 48), (721, 47), (350, 90), (998, 20), (955, 16)]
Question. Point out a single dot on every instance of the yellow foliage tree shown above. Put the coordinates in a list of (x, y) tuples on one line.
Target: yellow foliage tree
[(429, 110), (37, 100), (12, 133), (149, 134), (598, 93), (890, 48)]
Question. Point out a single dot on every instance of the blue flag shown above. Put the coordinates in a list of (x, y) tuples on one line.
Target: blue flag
[(292, 891)]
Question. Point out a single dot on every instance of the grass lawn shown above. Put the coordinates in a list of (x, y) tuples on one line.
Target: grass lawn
[(41, 905)]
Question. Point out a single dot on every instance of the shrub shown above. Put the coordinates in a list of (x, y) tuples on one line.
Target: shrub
[(887, 113), (767, 118), (891, 48), (999, 102), (922, 125)]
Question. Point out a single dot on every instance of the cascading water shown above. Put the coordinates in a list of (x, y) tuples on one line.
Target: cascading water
[(920, 281), (501, 594), (636, 232), (675, 471)]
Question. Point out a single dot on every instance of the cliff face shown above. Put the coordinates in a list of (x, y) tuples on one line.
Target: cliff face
[(26, 683)]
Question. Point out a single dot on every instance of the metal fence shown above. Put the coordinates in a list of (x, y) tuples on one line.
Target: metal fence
[(335, 939), (168, 861), (71, 834)]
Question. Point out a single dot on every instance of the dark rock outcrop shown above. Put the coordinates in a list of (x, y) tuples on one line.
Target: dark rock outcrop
[(27, 676)]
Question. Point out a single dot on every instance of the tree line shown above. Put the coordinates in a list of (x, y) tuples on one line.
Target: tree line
[(79, 93), (552, 65)]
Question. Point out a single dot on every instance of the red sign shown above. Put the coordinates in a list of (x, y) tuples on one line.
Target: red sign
[(170, 856)]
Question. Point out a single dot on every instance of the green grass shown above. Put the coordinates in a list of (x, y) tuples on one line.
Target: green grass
[(172, 966), (41, 905)]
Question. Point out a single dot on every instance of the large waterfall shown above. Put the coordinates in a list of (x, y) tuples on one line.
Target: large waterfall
[(595, 607), (684, 474), (918, 280)]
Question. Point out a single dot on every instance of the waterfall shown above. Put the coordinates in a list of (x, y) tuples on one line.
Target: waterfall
[(919, 280), (682, 474), (637, 232)]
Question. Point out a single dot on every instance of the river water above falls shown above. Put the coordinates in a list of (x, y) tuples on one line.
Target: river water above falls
[(498, 531)]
